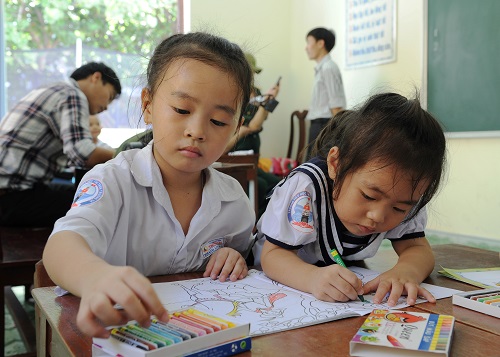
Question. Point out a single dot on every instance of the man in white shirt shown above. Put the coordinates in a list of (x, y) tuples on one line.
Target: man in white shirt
[(328, 97)]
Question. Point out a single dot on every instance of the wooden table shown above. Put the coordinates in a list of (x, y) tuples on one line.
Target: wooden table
[(475, 334)]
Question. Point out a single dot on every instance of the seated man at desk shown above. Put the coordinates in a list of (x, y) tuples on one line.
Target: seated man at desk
[(45, 132)]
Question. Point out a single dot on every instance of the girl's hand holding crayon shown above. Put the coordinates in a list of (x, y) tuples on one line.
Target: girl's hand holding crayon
[(197, 86), (335, 283), (117, 285), (226, 263)]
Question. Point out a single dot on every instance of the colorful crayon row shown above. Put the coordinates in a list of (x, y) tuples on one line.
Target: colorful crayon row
[(490, 299), (182, 326), (442, 333)]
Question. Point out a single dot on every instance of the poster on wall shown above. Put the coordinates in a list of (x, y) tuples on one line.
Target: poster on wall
[(370, 32)]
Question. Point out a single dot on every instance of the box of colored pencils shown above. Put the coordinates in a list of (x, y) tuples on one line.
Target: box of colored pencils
[(402, 333), (486, 301), (189, 332)]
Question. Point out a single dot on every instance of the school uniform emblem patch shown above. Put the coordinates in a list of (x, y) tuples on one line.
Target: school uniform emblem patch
[(211, 247), (89, 192), (300, 214)]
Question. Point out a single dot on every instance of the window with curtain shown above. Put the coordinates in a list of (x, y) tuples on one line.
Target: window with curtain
[(45, 40)]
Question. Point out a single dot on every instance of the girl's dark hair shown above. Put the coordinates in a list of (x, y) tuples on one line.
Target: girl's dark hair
[(394, 130), (210, 49)]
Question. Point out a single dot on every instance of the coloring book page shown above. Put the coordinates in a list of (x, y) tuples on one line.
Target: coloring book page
[(268, 305)]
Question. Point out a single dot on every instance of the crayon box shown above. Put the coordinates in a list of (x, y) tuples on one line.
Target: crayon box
[(486, 301), (188, 332)]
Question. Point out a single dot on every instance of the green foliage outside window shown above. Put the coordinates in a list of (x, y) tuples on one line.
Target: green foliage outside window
[(126, 26), (41, 39)]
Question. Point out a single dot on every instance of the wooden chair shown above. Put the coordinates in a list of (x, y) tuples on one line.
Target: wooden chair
[(20, 249), (300, 118)]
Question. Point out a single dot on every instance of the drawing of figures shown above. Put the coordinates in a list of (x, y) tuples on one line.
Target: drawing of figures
[(235, 299), (319, 310), (268, 305)]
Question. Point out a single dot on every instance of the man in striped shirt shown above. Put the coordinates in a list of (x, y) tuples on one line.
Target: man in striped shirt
[(47, 131)]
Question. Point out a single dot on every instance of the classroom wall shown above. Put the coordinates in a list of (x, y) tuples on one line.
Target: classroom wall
[(262, 28), (469, 204)]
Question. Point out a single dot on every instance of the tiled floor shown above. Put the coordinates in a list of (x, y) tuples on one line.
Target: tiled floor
[(14, 345)]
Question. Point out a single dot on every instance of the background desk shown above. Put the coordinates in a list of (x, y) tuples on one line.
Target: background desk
[(246, 174), (475, 334)]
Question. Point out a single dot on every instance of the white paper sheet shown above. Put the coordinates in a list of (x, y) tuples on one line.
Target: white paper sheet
[(270, 306)]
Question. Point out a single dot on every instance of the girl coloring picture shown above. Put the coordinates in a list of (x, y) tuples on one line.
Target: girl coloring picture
[(161, 209), (372, 172)]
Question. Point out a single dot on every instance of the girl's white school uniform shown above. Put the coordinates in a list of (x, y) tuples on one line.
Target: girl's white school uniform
[(300, 216), (123, 211)]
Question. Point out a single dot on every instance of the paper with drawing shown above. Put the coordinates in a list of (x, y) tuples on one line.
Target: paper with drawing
[(269, 306)]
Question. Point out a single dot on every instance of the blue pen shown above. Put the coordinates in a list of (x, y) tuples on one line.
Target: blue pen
[(338, 259)]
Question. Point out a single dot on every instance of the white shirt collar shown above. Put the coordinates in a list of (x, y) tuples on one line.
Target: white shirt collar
[(145, 171), (321, 63)]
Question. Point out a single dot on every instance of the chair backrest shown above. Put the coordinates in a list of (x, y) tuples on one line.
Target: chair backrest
[(300, 117)]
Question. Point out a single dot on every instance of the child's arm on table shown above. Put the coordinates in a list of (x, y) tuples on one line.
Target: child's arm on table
[(72, 265), (415, 263), (226, 262), (331, 283)]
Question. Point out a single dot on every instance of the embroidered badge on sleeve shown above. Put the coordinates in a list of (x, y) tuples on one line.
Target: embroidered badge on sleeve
[(211, 247), (89, 192), (300, 214)]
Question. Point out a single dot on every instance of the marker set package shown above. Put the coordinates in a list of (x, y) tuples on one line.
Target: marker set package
[(187, 332)]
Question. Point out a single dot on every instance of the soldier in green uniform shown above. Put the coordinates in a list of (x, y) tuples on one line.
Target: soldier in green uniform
[(248, 136)]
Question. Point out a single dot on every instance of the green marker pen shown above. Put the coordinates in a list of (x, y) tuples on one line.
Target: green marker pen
[(338, 259)]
